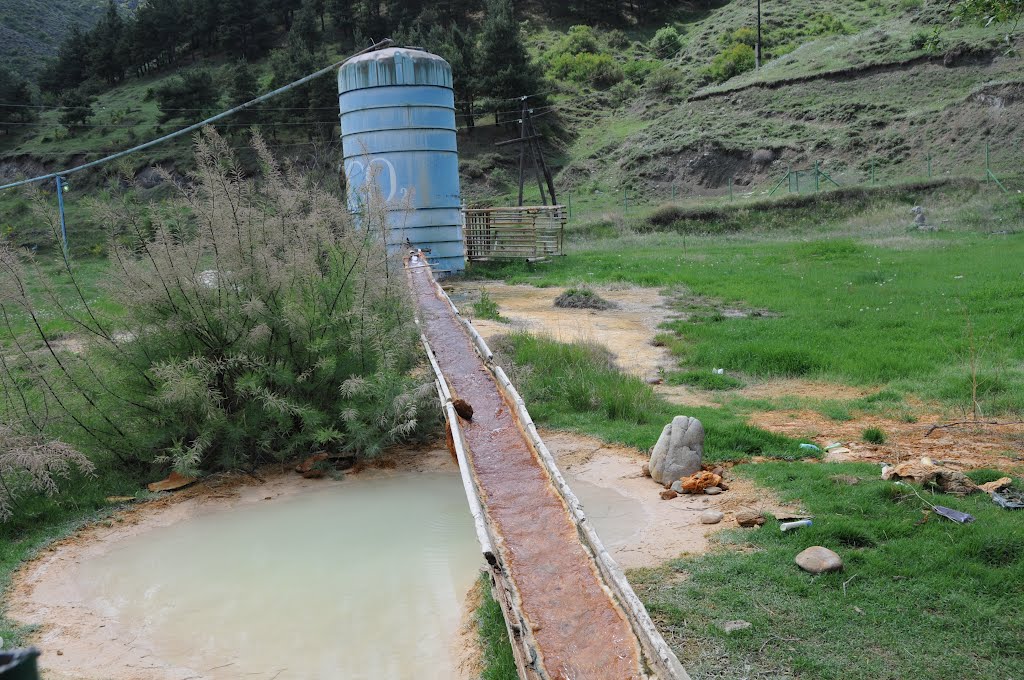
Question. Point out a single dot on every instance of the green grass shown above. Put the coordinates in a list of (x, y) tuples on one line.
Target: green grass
[(487, 308), (498, 660), (39, 520), (916, 600), (855, 298), (577, 387), (873, 435), (705, 380)]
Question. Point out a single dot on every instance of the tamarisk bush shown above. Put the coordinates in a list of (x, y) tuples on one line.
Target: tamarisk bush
[(254, 322), (33, 464)]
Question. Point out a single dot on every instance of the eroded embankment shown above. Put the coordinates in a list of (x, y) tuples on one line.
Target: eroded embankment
[(579, 630)]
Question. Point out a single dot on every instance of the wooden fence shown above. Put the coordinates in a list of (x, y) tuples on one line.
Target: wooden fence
[(518, 233)]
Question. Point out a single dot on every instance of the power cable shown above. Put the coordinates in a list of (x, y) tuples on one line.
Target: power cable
[(301, 81)]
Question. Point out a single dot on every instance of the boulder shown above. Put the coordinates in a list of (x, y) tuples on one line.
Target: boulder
[(818, 560), (711, 516), (679, 450)]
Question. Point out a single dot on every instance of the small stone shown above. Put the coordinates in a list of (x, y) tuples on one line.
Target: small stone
[(677, 486), (463, 408), (720, 471), (646, 469), (713, 490), (60, 652), (654, 381), (711, 517), (818, 560), (668, 495), (730, 627), (749, 518), (723, 485)]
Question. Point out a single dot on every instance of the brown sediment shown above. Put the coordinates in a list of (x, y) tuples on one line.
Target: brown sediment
[(578, 628)]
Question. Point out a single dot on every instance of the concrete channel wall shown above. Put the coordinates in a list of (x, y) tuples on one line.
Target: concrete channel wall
[(656, 658)]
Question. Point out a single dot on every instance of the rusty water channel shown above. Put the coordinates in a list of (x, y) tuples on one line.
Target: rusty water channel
[(570, 611)]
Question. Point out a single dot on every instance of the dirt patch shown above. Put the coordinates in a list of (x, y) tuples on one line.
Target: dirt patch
[(637, 527), (626, 330), (961, 448), (467, 649)]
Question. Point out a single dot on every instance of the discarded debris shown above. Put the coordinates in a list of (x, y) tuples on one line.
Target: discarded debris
[(463, 408), (1010, 500), (955, 515), (810, 447), (926, 472), (788, 526), (311, 467), (997, 485), (173, 482)]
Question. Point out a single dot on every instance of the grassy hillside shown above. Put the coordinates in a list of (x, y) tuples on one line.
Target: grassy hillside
[(871, 89), (31, 30)]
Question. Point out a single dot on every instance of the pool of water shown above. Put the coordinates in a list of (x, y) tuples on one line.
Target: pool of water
[(363, 579)]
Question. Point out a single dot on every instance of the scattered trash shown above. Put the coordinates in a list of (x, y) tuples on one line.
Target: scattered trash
[(927, 472), (719, 371), (730, 627), (1010, 500), (810, 447), (997, 485), (955, 515), (173, 482), (463, 408), (786, 526), (833, 445)]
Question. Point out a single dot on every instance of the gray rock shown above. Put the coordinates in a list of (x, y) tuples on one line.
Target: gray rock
[(679, 450), (818, 560), (712, 491), (732, 626), (677, 486), (711, 517)]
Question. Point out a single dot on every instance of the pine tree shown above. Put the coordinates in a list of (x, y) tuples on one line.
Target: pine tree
[(242, 88), (504, 70), (14, 92), (108, 55), (69, 69), (77, 109)]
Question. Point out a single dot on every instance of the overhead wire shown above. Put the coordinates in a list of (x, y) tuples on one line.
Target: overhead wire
[(196, 126)]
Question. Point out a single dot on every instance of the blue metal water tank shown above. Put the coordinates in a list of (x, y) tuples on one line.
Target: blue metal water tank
[(398, 127)]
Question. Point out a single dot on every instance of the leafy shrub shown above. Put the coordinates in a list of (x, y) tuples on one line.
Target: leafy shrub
[(32, 464), (662, 81), (908, 5), (617, 40), (623, 93), (927, 40), (637, 70), (873, 435), (599, 70), (666, 42), (731, 62), (255, 323), (827, 24), (487, 308), (184, 95), (742, 36)]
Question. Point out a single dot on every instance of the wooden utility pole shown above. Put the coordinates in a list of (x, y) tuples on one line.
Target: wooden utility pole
[(757, 52), (529, 137)]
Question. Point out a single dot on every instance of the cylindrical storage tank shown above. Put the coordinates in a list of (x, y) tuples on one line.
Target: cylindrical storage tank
[(398, 129)]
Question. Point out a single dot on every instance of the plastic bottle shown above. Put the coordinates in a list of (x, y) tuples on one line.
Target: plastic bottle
[(786, 526)]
